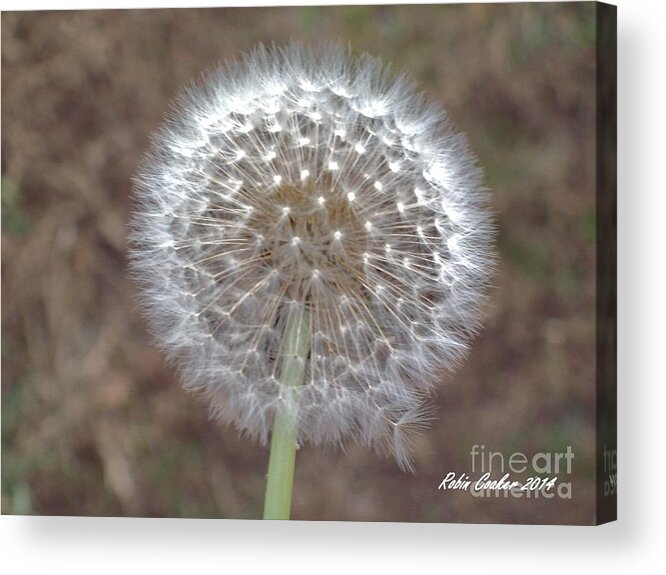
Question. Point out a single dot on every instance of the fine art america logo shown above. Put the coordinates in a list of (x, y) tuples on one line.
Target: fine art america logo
[(610, 471), (494, 474)]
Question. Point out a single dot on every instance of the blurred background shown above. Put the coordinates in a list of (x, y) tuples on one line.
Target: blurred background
[(95, 423)]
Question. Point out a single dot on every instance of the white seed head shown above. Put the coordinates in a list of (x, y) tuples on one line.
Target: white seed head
[(315, 180)]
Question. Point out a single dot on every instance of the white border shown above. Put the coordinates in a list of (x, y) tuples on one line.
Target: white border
[(76, 545)]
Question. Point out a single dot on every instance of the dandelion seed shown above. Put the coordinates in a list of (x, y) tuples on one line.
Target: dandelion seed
[(230, 253)]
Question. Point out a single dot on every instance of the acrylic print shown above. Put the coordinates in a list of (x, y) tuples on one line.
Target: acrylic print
[(309, 263)]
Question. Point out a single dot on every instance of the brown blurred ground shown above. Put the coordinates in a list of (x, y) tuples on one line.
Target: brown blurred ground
[(94, 423)]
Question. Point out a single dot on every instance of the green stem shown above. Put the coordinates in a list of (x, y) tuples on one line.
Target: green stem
[(284, 436)]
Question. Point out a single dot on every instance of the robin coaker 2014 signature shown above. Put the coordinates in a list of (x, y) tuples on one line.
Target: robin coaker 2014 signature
[(545, 469)]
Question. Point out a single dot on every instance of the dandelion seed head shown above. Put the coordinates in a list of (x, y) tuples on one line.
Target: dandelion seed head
[(313, 181)]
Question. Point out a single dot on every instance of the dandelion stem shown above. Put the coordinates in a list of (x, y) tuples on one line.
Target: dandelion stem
[(282, 459)]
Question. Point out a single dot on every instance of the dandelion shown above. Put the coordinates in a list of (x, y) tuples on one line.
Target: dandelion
[(313, 244)]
